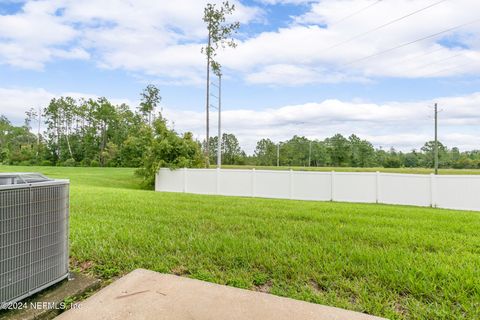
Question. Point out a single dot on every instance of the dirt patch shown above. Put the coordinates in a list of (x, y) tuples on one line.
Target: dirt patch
[(81, 266), (318, 288), (180, 271), (265, 288), (400, 306), (86, 265)]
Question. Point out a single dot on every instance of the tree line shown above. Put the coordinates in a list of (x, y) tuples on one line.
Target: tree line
[(340, 151), (95, 132)]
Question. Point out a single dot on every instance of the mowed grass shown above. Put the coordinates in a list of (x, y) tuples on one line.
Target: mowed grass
[(392, 261), (356, 169)]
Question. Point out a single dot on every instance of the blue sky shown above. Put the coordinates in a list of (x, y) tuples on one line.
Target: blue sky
[(283, 71)]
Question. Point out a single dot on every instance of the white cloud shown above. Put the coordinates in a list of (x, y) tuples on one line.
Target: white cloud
[(37, 35), (401, 125), (163, 39), (158, 38), (309, 45), (15, 102)]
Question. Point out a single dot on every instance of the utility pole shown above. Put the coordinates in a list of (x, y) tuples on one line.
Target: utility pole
[(219, 145), (436, 139), (278, 154)]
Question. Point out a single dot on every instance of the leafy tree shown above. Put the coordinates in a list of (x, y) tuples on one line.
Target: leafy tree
[(429, 151), (168, 149), (133, 149), (5, 126), (339, 150), (17, 144), (232, 153), (412, 159), (150, 99), (266, 153), (362, 152), (219, 35), (295, 152), (320, 156), (31, 116)]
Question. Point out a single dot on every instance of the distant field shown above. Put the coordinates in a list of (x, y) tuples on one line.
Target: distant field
[(349, 169), (392, 261)]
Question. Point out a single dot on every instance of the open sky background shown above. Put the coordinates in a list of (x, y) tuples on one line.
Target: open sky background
[(312, 68)]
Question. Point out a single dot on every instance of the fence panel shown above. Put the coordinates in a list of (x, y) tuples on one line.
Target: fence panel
[(311, 185), (235, 183), (458, 192), (201, 181), (272, 184), (170, 180), (354, 187), (405, 189)]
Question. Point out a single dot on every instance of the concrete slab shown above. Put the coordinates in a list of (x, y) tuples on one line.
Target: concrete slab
[(147, 295), (47, 304)]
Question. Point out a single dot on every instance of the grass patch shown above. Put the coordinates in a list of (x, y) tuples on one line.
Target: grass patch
[(393, 261)]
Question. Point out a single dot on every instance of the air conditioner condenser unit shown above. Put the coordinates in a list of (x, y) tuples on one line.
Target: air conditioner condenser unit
[(34, 223)]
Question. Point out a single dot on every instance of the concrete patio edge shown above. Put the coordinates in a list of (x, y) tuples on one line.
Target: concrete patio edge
[(144, 294)]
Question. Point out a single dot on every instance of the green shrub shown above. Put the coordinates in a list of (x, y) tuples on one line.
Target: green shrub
[(46, 163), (170, 150), (85, 163), (69, 163)]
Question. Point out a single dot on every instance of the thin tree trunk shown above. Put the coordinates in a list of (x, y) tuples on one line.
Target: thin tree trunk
[(207, 145), (68, 140), (69, 148)]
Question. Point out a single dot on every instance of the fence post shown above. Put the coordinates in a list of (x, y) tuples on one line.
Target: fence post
[(185, 180), (291, 184), (433, 195), (332, 184), (218, 181), (377, 184), (253, 182)]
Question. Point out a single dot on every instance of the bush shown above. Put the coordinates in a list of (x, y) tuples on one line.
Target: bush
[(46, 163), (170, 150), (94, 163), (85, 163), (69, 163), (392, 162)]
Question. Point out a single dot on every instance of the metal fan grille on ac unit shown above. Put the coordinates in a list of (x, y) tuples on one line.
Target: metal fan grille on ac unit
[(34, 212)]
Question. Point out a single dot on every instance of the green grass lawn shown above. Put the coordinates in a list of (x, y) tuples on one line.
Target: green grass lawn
[(351, 169), (393, 261)]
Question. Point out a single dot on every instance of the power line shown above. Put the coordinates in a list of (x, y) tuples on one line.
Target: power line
[(384, 25), (439, 61), (411, 42), (423, 54), (428, 75), (355, 13)]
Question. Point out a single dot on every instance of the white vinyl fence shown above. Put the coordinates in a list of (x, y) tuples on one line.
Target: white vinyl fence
[(453, 191)]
